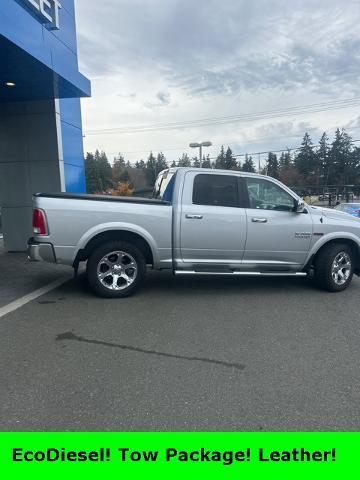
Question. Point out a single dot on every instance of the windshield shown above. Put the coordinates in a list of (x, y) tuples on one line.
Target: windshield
[(164, 186)]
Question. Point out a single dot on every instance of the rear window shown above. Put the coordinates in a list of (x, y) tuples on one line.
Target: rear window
[(216, 190), (164, 186)]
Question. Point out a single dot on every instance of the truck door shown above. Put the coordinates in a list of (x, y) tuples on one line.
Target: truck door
[(213, 225), (277, 235)]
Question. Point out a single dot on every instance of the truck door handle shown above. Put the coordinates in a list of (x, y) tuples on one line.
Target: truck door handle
[(259, 220), (193, 217)]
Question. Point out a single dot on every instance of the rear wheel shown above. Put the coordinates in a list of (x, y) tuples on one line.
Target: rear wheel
[(334, 267), (116, 269)]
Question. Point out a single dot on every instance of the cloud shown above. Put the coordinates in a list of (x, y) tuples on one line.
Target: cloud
[(163, 100), (168, 60), (224, 47)]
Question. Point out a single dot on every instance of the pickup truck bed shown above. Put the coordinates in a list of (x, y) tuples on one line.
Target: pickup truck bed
[(102, 198)]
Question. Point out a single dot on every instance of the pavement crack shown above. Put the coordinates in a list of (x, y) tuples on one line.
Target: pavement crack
[(72, 337)]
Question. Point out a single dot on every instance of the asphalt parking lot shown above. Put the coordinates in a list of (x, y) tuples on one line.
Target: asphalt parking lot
[(201, 353)]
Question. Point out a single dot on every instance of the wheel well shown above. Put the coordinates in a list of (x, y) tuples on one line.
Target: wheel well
[(353, 245), (133, 238)]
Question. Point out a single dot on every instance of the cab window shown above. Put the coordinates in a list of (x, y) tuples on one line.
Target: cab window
[(216, 190), (164, 186), (266, 195)]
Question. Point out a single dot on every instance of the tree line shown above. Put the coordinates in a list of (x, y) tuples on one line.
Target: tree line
[(322, 164)]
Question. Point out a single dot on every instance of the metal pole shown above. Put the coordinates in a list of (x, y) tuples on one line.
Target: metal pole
[(200, 148)]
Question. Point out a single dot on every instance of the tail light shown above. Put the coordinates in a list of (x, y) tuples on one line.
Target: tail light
[(39, 222)]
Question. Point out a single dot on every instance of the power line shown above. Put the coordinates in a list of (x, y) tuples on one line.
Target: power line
[(273, 151), (247, 117), (258, 140), (336, 103)]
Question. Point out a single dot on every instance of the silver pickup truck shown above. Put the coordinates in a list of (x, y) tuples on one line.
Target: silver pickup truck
[(198, 222)]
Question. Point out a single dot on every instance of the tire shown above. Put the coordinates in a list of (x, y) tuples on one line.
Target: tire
[(116, 269), (334, 267)]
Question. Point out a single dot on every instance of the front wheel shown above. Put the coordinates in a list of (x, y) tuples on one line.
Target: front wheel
[(116, 269), (334, 267)]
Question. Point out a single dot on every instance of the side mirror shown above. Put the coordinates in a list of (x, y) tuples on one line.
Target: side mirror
[(300, 206)]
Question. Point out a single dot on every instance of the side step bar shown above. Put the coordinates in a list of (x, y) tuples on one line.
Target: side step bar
[(254, 274)]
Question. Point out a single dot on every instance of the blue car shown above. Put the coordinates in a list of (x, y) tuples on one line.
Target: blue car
[(351, 208)]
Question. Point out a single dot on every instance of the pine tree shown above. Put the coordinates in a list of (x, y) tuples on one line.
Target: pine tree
[(161, 163), (195, 162), (341, 158), (150, 170), (272, 165), (220, 162), (285, 160), (118, 167), (248, 165), (91, 174), (306, 160), (355, 165), (140, 165), (184, 161), (229, 161), (323, 159), (104, 171), (206, 162)]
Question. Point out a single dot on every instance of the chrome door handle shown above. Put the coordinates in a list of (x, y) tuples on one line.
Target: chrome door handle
[(193, 217), (259, 220)]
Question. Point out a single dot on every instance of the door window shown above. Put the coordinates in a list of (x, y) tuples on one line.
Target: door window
[(216, 190), (266, 195)]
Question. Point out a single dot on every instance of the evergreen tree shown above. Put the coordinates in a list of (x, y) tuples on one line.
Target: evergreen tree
[(341, 156), (161, 163), (306, 161), (248, 165), (323, 159), (104, 171), (140, 165), (285, 160), (206, 162), (220, 162), (91, 174), (120, 161), (355, 165), (272, 165), (150, 170), (173, 164), (195, 162), (118, 167), (184, 161), (229, 161)]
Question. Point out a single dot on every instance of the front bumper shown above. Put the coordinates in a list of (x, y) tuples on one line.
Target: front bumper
[(40, 252)]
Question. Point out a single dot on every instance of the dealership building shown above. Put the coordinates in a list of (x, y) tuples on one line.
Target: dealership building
[(41, 140)]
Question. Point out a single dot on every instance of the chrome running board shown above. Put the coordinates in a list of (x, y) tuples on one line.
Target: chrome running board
[(253, 274)]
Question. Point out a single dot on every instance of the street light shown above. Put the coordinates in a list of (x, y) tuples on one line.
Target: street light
[(200, 147)]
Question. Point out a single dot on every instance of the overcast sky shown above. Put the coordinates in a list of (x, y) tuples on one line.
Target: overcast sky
[(166, 61)]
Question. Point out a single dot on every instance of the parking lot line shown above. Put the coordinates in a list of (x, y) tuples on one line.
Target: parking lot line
[(20, 302)]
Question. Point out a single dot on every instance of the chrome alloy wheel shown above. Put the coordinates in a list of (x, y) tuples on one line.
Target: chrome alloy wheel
[(341, 268), (117, 270)]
